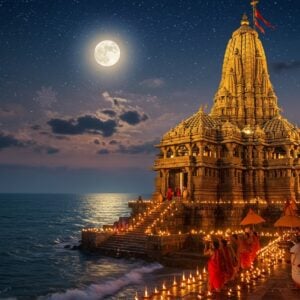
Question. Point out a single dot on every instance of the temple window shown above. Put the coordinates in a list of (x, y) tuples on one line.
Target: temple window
[(160, 154), (195, 151), (207, 152), (223, 111), (236, 152), (279, 153), (170, 153), (182, 150)]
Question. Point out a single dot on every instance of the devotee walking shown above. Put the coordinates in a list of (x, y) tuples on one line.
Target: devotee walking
[(215, 266), (235, 247), (255, 246), (245, 251), (228, 258)]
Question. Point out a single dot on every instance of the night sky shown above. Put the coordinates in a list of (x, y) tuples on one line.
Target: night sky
[(69, 125)]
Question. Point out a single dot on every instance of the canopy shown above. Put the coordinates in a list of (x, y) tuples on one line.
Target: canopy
[(252, 218), (288, 221)]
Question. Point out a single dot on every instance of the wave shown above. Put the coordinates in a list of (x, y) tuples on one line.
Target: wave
[(108, 288)]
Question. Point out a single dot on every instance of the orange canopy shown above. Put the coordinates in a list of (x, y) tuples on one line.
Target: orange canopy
[(288, 221), (252, 218)]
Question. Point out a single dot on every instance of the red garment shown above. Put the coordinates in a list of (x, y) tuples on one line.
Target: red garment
[(228, 263), (255, 247), (215, 271), (178, 192), (245, 255), (169, 194)]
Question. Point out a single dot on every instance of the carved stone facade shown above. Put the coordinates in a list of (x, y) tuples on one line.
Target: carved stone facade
[(243, 149)]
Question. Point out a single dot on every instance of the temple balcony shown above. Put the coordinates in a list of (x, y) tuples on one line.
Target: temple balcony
[(174, 162), (280, 162)]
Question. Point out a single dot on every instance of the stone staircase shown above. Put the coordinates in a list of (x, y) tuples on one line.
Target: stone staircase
[(133, 243)]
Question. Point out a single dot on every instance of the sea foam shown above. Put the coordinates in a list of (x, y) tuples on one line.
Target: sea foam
[(98, 291)]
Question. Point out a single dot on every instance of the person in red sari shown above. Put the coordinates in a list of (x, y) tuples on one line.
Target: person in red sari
[(178, 192), (228, 258), (169, 194), (235, 246), (245, 251), (215, 267), (255, 246)]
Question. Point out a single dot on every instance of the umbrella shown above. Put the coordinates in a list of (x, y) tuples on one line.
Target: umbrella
[(252, 218), (288, 221)]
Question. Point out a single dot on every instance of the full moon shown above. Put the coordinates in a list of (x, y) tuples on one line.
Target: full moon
[(107, 53)]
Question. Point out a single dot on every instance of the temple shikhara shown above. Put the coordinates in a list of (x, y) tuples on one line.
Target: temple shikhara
[(212, 167), (243, 149)]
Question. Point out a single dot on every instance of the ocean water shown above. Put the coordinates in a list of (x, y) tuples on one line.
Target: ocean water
[(34, 263)]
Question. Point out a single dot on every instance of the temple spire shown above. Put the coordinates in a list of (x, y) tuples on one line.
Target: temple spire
[(245, 95)]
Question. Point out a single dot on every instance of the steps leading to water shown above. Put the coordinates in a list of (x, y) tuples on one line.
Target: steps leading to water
[(134, 242)]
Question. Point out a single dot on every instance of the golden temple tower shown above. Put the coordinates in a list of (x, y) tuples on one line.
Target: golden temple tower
[(244, 149)]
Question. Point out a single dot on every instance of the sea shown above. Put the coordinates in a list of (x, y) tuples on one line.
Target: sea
[(36, 262)]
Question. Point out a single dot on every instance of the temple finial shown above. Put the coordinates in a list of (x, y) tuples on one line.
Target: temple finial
[(253, 4), (245, 20)]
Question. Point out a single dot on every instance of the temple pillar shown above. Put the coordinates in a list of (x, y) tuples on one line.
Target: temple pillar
[(164, 182)]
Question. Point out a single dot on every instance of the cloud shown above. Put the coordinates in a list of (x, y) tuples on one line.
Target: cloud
[(286, 66), (153, 83), (8, 141), (147, 148), (35, 127), (52, 150), (117, 103), (82, 125), (46, 149), (133, 117), (103, 151), (109, 112)]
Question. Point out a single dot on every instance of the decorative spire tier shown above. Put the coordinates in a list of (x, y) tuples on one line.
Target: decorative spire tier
[(245, 95)]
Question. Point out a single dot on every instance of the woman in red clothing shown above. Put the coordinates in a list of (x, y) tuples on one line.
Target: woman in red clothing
[(215, 267), (255, 247), (245, 251), (169, 194), (228, 257)]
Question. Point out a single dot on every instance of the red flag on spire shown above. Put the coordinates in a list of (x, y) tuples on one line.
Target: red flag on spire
[(259, 27), (259, 16)]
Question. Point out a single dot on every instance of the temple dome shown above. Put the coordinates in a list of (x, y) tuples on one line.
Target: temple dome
[(193, 125), (279, 127)]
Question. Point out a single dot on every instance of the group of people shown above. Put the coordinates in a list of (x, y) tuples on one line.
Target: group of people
[(226, 258), (171, 193), (176, 193)]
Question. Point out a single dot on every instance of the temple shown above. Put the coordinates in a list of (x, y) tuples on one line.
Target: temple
[(242, 154), (243, 149)]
